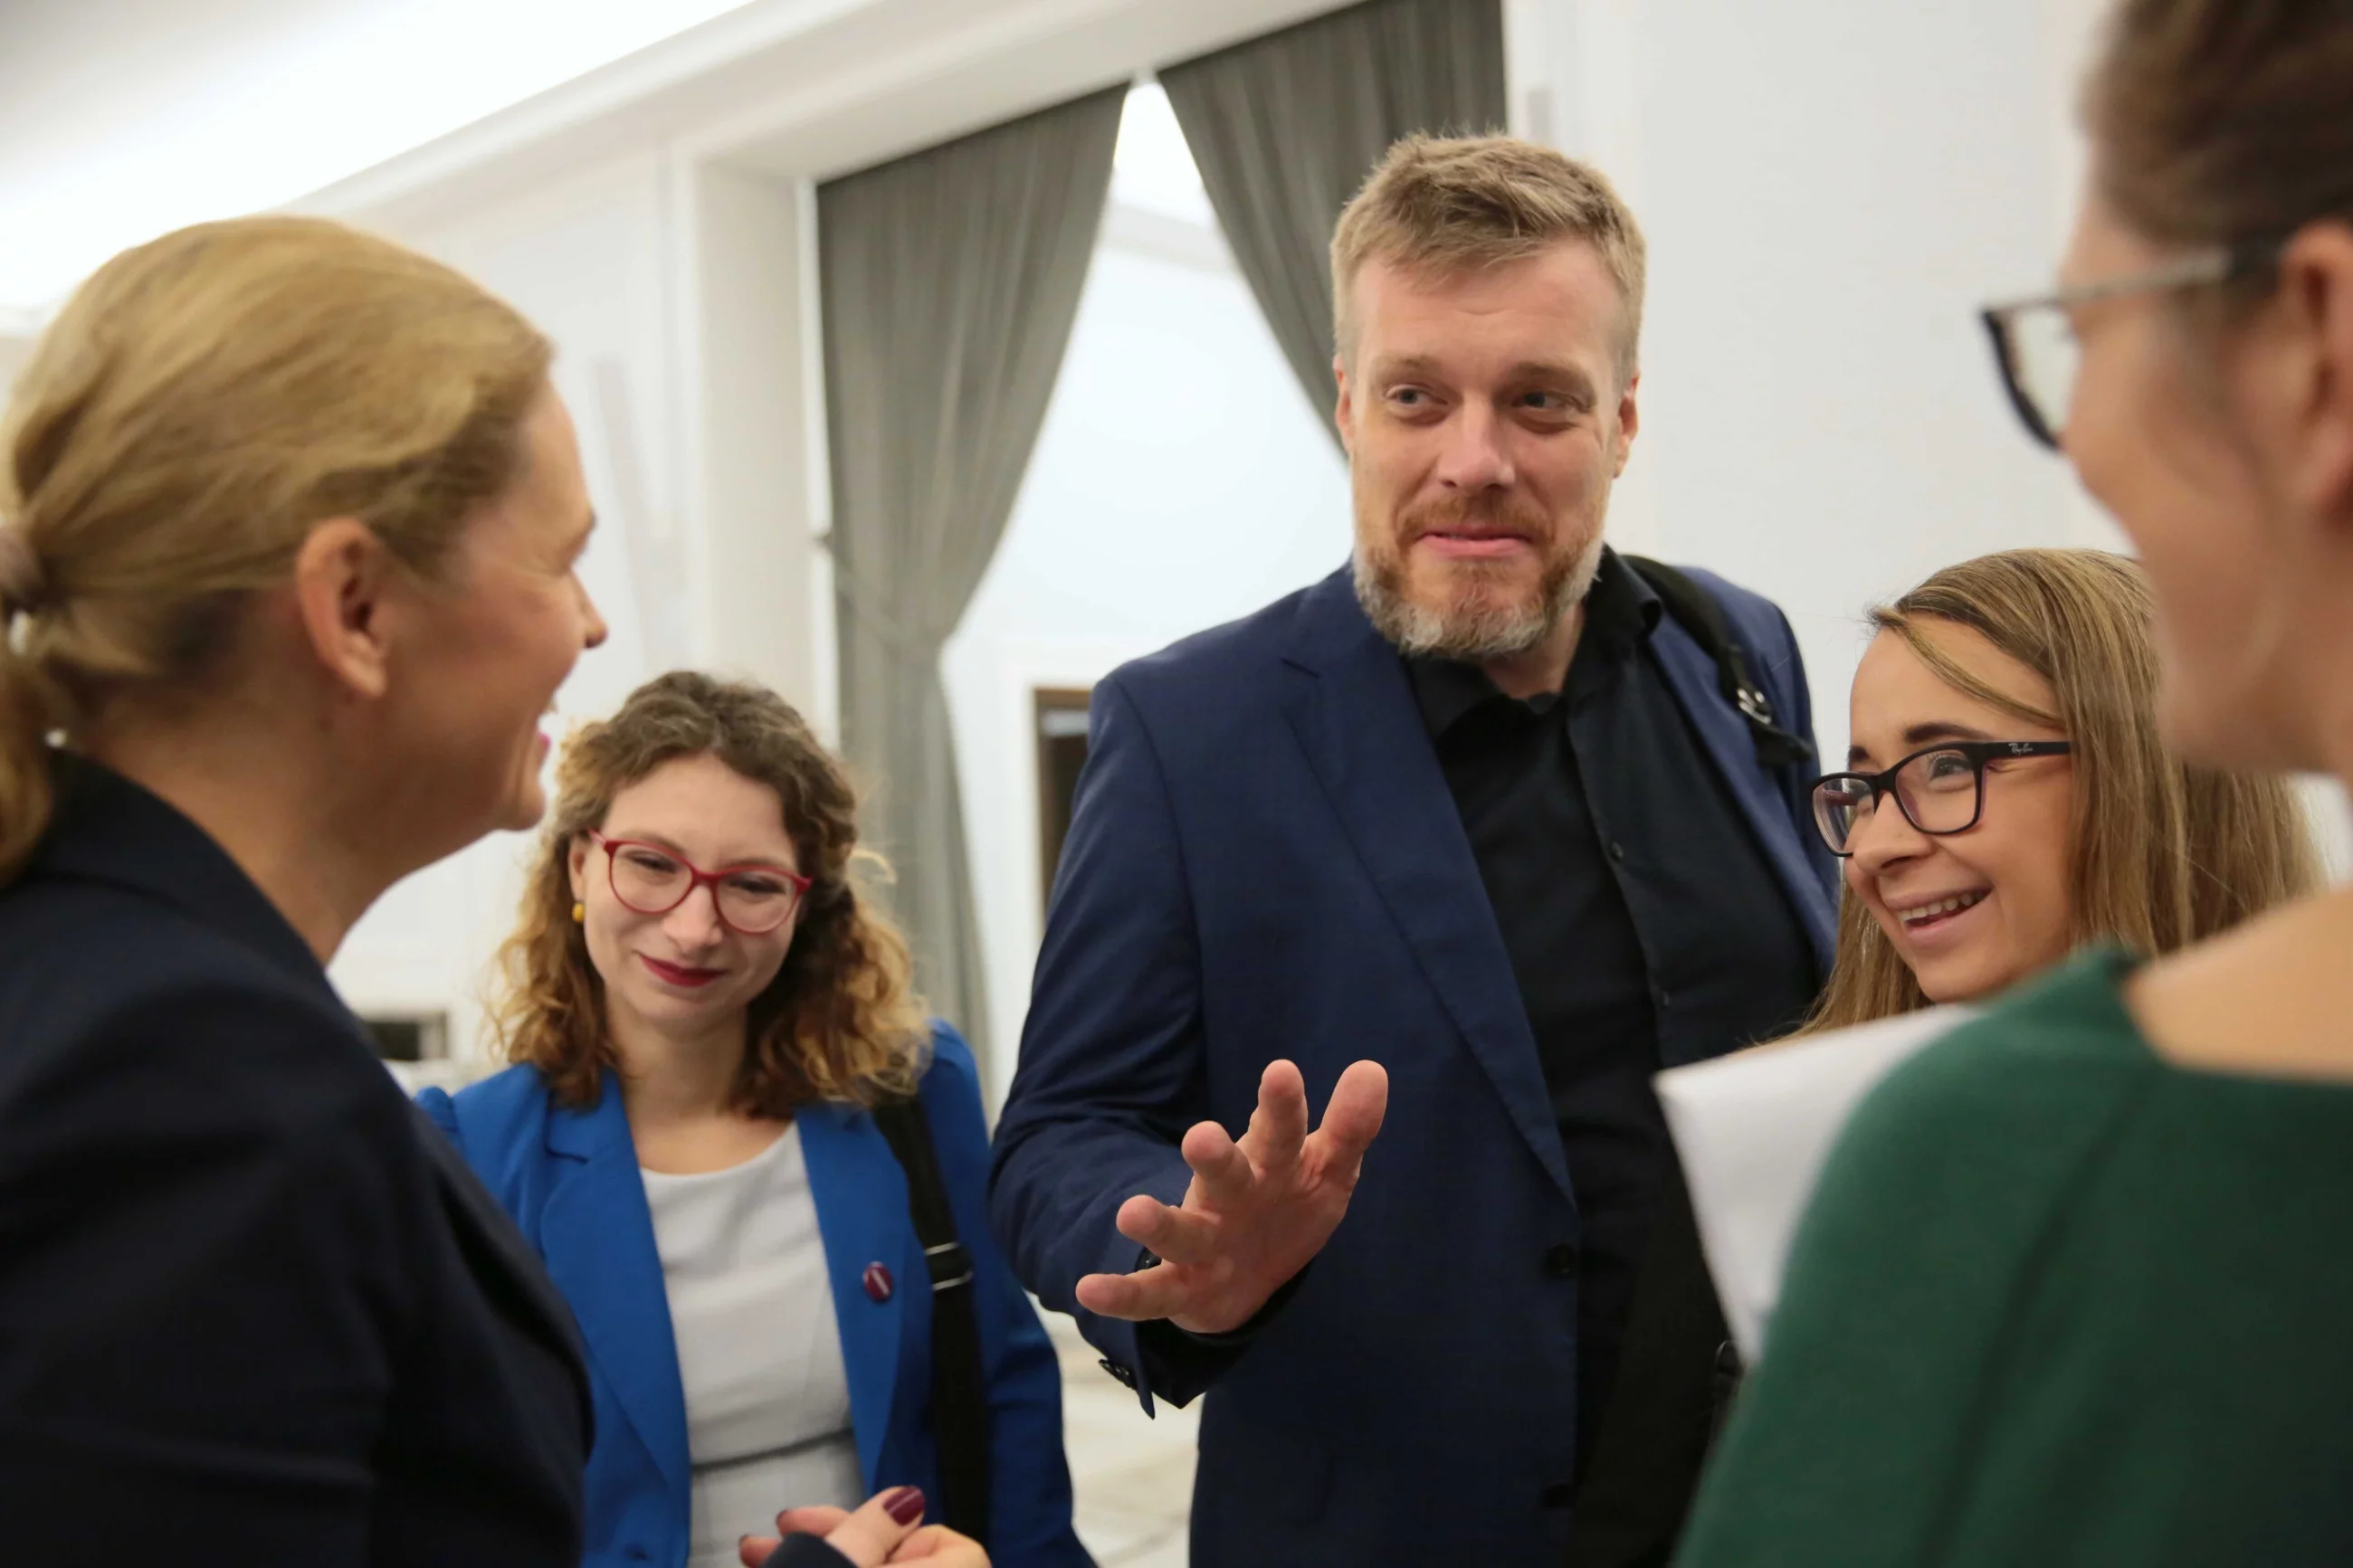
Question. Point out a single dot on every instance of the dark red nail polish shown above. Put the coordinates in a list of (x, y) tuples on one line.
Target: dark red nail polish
[(904, 1505)]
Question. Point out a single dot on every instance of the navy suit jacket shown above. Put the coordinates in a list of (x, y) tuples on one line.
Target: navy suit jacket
[(1265, 862), (571, 1180), (253, 1310)]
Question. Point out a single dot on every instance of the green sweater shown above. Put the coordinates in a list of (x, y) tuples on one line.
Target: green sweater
[(2058, 1301)]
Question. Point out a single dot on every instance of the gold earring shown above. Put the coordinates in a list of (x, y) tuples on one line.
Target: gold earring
[(579, 913)]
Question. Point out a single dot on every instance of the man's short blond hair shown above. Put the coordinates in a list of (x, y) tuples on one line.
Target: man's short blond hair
[(1437, 207)]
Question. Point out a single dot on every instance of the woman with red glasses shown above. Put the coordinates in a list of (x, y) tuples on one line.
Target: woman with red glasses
[(723, 1100)]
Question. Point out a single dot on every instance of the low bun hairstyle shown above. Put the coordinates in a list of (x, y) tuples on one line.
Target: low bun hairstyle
[(200, 403)]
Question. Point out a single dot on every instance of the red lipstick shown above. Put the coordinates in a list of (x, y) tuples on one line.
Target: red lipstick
[(683, 975)]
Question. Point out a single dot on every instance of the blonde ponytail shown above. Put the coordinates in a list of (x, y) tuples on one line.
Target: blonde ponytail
[(28, 715), (198, 407)]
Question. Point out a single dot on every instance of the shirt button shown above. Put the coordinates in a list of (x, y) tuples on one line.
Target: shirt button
[(1556, 1495), (1560, 1260), (1665, 1000), (1617, 850)]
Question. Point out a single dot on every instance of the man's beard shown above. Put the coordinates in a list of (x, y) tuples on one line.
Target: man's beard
[(1473, 626)]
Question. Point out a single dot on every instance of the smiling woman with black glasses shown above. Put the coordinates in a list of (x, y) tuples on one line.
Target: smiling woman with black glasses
[(2073, 1286), (2006, 801)]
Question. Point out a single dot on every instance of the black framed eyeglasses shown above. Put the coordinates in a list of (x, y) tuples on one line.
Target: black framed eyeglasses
[(2034, 339), (1939, 789)]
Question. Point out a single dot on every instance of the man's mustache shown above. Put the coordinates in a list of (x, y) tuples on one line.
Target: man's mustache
[(1518, 518)]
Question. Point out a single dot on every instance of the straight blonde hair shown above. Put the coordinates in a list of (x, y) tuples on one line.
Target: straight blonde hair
[(2160, 855), (1441, 205), (200, 403)]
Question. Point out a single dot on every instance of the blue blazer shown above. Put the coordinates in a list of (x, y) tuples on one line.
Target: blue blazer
[(570, 1179), (1265, 861)]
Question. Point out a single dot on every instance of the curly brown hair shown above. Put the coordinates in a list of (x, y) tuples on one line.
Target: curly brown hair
[(840, 1021)]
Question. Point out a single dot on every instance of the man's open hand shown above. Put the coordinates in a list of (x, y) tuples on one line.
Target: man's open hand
[(1257, 1210)]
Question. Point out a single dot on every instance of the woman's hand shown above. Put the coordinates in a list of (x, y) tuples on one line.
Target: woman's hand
[(888, 1529)]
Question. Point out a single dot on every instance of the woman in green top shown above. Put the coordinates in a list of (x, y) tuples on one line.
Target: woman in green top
[(2077, 1285)]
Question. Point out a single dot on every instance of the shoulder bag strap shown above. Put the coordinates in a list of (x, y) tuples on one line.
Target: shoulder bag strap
[(959, 1388), (1695, 610)]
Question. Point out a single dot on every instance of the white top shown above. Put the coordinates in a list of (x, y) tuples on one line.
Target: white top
[(751, 1305), (1753, 1130)]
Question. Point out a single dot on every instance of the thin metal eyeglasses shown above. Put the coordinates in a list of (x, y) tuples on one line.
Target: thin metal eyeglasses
[(1939, 789), (652, 880), (2034, 342)]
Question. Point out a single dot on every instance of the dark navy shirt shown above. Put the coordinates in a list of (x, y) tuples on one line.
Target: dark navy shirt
[(1644, 925)]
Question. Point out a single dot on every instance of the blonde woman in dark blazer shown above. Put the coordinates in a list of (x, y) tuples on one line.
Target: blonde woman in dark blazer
[(288, 519), (290, 516)]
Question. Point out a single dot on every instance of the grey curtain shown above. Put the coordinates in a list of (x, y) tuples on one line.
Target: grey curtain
[(949, 281), (1284, 129)]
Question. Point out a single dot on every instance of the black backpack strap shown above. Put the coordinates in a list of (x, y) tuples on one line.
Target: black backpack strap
[(959, 1387), (1695, 610)]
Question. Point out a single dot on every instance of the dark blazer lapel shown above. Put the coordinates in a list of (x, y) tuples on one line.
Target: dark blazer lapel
[(1364, 738), (597, 1236), (109, 829), (501, 1260), (1693, 675)]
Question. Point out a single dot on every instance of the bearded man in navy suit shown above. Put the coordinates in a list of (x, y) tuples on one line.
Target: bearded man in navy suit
[(1501, 818)]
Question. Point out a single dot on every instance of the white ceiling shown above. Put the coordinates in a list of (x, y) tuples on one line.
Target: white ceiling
[(121, 119)]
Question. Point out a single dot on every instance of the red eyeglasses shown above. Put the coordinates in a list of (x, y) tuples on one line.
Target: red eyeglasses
[(652, 880)]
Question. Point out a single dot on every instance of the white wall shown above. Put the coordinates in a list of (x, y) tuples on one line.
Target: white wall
[(13, 351), (587, 258), (1829, 190), (1181, 481), (752, 418)]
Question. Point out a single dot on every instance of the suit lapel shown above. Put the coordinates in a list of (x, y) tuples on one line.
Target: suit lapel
[(597, 1235), (862, 1214), (1693, 675), (1364, 738), (487, 1233), (109, 829)]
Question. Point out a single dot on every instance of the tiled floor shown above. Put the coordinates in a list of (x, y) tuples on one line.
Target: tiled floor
[(1132, 1477)]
